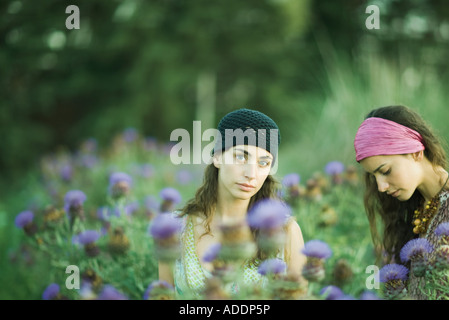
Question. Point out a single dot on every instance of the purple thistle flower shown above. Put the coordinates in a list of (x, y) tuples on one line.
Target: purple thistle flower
[(130, 134), (51, 292), (317, 249), (268, 214), (24, 218), (334, 167), (170, 197), (442, 229), (117, 177), (184, 177), (332, 293), (88, 160), (86, 237), (90, 145), (368, 295), (272, 266), (86, 292), (290, 180), (157, 284), (393, 271), (415, 248), (119, 184), (111, 293), (132, 207), (150, 144), (147, 170), (441, 259), (212, 252), (170, 194), (73, 200), (165, 225), (66, 172)]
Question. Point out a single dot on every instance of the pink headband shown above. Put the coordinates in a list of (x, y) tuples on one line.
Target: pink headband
[(377, 136)]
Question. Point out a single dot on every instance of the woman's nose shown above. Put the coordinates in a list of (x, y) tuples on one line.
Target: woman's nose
[(250, 170), (382, 185)]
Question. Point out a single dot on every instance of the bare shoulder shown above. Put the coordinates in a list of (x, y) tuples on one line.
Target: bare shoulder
[(292, 226)]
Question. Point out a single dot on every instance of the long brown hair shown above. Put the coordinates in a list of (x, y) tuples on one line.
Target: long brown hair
[(205, 199), (395, 215)]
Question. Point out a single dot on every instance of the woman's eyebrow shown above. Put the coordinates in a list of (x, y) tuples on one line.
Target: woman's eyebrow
[(242, 150), (378, 168), (248, 154)]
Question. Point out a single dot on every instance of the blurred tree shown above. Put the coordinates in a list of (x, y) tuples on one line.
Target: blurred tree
[(136, 63)]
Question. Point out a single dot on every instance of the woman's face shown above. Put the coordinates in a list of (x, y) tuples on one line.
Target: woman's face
[(397, 175), (242, 170)]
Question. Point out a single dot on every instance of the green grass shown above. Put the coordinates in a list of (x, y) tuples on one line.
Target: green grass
[(32, 270)]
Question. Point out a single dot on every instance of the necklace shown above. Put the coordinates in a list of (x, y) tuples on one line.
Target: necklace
[(423, 216)]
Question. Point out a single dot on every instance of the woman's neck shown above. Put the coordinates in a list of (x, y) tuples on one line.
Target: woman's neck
[(235, 209), (433, 182)]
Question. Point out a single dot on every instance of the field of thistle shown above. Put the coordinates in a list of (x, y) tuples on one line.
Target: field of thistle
[(92, 213), (92, 223)]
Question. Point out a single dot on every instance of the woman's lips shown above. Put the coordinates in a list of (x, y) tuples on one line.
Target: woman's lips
[(245, 187), (395, 194)]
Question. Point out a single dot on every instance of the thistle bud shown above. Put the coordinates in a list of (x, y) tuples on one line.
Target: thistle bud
[(236, 241), (316, 252), (394, 276), (87, 239), (416, 251), (159, 290), (335, 170), (170, 197), (118, 241), (119, 185), (342, 272), (24, 220), (441, 258), (442, 232), (165, 229), (73, 205), (269, 218)]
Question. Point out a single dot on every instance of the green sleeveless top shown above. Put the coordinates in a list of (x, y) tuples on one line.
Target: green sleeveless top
[(190, 276)]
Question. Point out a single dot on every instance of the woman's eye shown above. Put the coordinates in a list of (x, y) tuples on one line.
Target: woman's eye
[(264, 163), (386, 173), (240, 157)]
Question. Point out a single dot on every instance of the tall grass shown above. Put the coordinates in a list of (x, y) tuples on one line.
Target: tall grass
[(350, 88)]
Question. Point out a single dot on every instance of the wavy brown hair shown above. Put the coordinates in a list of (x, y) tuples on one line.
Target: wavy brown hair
[(396, 216), (205, 200)]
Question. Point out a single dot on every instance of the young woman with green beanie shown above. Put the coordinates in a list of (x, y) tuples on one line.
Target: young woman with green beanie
[(237, 180)]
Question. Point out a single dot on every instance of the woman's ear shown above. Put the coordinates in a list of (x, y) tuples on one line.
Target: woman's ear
[(217, 160), (418, 156)]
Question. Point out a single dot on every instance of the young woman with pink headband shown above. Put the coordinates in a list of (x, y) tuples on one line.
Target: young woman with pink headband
[(406, 182)]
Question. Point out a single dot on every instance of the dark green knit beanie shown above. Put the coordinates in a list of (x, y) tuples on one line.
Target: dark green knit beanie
[(248, 127)]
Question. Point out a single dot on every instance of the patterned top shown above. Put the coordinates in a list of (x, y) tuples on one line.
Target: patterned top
[(190, 276), (416, 284)]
